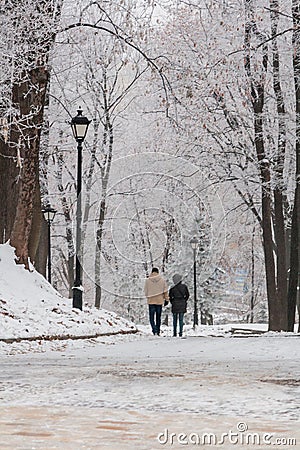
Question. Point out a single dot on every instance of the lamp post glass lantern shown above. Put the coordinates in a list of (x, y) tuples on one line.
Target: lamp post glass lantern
[(79, 125), (194, 244), (49, 214)]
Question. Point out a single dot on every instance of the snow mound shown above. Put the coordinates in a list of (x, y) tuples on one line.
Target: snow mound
[(30, 307)]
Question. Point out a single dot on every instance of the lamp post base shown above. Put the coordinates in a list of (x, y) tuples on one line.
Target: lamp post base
[(77, 297), (195, 321)]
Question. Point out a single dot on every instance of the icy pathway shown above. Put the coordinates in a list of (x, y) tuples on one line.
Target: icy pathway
[(121, 393)]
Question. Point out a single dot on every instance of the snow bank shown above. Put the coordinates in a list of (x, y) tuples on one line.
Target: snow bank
[(30, 307)]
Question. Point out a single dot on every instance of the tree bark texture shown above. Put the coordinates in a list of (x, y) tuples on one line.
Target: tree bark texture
[(279, 220), (107, 144), (9, 187), (27, 95), (70, 259), (272, 213), (295, 232), (99, 235), (29, 59), (42, 250)]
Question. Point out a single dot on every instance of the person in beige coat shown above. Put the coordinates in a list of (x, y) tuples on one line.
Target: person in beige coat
[(156, 291)]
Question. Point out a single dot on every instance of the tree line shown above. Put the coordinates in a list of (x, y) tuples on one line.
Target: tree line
[(223, 78)]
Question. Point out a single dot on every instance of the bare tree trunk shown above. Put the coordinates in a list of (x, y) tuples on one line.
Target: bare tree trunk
[(28, 98), (91, 170), (146, 246), (4, 162), (295, 232), (170, 230), (9, 188), (279, 223), (99, 236), (252, 277), (28, 95), (68, 220), (108, 140), (36, 226), (294, 265), (257, 89), (42, 250)]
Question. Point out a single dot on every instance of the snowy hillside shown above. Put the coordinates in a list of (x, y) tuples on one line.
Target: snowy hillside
[(31, 307)]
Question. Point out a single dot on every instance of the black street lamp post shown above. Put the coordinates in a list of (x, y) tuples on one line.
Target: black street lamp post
[(49, 214), (194, 244), (79, 126)]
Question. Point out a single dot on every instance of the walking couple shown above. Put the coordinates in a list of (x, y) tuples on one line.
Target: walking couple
[(156, 291)]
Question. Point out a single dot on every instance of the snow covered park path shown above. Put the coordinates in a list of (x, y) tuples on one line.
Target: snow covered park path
[(125, 392)]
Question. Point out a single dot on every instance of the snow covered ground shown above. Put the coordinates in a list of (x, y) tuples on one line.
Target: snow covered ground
[(125, 392), (31, 307)]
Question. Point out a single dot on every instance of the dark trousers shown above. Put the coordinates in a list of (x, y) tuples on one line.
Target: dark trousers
[(178, 317), (155, 318)]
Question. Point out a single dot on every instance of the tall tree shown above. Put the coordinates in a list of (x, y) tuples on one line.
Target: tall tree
[(295, 231), (243, 137), (31, 28)]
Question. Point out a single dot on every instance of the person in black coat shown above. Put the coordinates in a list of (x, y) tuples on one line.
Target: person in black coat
[(178, 296)]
